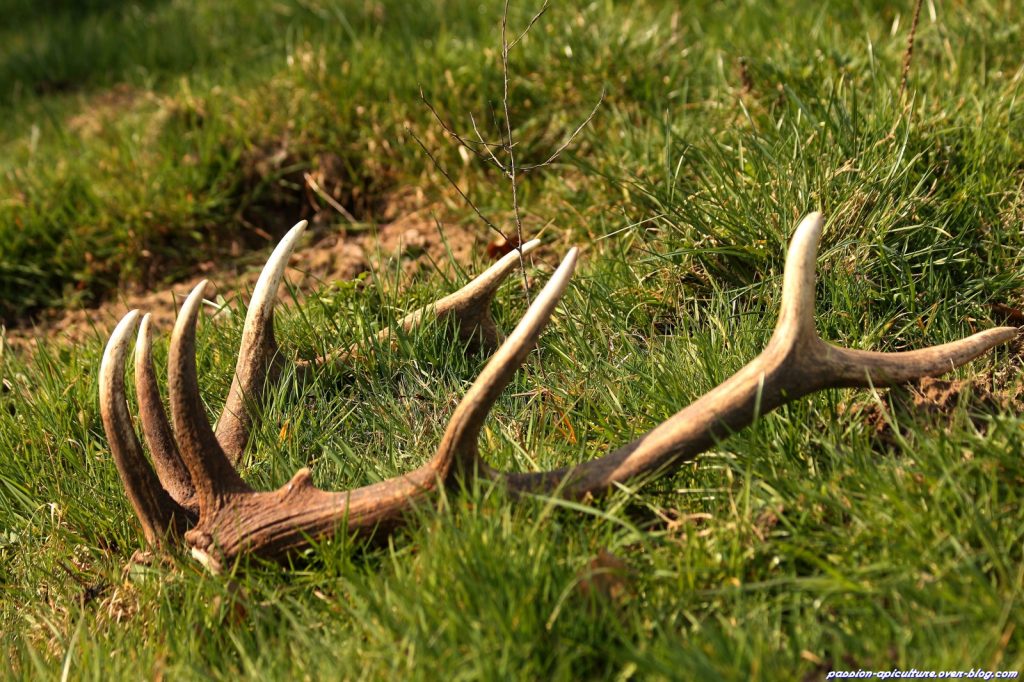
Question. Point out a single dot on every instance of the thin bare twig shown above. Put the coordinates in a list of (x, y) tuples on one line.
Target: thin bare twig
[(910, 49), (451, 180), (538, 15), (494, 158), (511, 168), (502, 154), (466, 143), (565, 145), (331, 201)]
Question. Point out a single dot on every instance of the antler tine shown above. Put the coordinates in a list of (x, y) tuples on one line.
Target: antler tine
[(796, 362), (470, 305), (828, 366), (158, 512), (212, 473), (170, 468), (460, 440), (258, 357)]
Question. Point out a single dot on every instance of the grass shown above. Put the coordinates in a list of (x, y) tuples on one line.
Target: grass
[(814, 540)]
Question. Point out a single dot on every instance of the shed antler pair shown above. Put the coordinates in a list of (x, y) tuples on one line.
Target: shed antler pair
[(196, 491)]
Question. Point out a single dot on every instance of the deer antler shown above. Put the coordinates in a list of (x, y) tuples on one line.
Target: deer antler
[(233, 519), (796, 362), (170, 500)]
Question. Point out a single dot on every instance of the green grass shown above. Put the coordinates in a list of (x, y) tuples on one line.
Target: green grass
[(805, 543)]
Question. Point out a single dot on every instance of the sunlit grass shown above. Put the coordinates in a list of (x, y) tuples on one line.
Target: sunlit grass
[(847, 530)]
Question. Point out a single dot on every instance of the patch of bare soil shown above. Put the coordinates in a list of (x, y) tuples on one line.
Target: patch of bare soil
[(936, 401), (411, 238)]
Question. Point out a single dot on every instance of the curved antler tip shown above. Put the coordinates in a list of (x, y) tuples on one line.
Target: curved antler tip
[(507, 263), (296, 230), (560, 279), (264, 293), (201, 289), (189, 313), (125, 327), (483, 287), (131, 315), (146, 325), (1004, 334), (145, 337), (287, 242), (129, 318), (808, 232), (113, 355), (528, 246), (971, 347)]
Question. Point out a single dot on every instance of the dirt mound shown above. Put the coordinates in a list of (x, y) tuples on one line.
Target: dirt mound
[(337, 253), (936, 401)]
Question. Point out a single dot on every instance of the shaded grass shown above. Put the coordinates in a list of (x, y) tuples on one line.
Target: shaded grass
[(802, 544)]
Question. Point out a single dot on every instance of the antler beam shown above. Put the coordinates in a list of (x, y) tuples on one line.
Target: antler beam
[(796, 362), (196, 491)]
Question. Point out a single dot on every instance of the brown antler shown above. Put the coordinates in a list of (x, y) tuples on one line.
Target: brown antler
[(159, 513), (188, 483), (796, 362), (233, 519)]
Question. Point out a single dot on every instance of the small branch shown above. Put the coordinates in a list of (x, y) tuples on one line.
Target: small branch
[(467, 144), (454, 184), (511, 167), (331, 201), (501, 154), (538, 15), (487, 146), (565, 145)]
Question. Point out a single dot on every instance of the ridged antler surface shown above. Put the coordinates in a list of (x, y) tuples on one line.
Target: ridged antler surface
[(196, 493)]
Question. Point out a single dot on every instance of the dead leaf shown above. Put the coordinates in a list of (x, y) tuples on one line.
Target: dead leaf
[(503, 245), (606, 575)]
